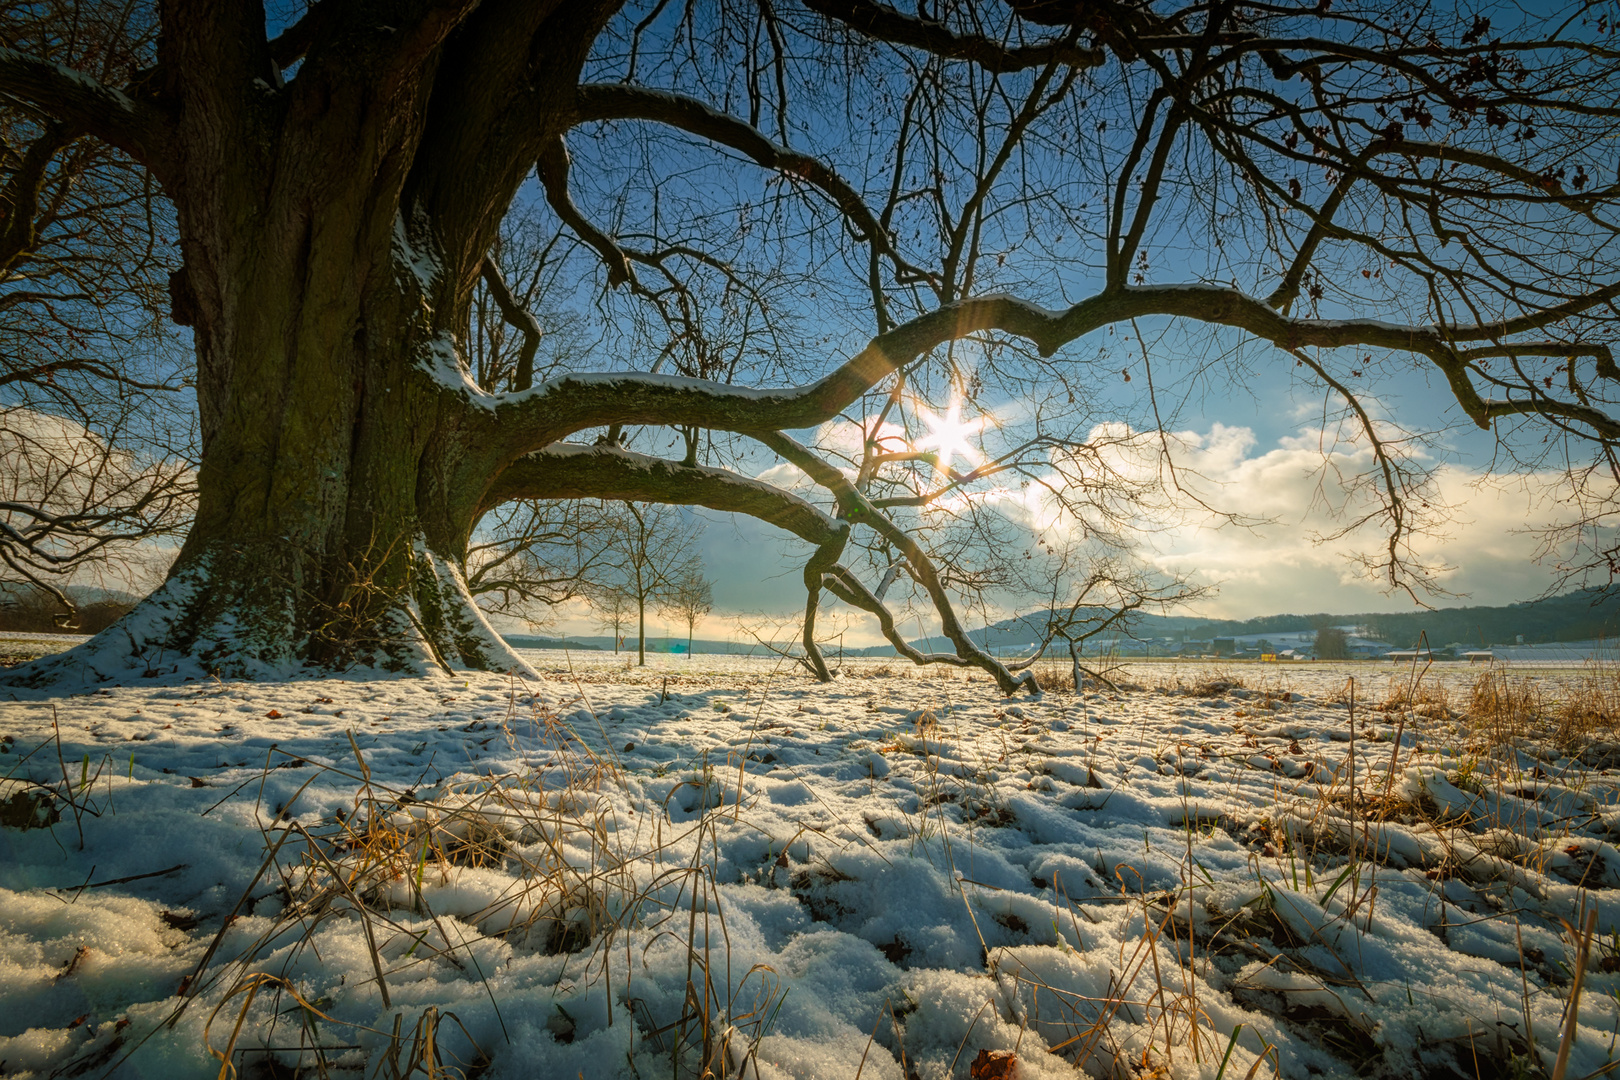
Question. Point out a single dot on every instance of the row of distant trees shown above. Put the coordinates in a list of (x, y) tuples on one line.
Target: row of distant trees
[(622, 559)]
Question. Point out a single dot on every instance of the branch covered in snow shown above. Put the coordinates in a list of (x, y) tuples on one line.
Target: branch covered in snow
[(110, 114), (571, 471), (574, 402)]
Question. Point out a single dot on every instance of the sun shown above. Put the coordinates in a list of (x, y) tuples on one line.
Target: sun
[(949, 435)]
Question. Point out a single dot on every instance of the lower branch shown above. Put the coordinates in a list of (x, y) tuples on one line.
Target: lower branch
[(572, 471), (855, 506), (849, 588), (824, 560)]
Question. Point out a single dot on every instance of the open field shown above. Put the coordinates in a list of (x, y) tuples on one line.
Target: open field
[(713, 862)]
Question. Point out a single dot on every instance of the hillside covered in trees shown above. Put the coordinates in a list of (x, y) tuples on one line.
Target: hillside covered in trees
[(1575, 616)]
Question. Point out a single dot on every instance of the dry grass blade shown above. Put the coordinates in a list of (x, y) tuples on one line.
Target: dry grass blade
[(1566, 1043)]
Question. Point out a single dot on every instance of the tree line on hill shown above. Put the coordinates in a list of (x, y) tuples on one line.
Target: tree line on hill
[(1581, 615)]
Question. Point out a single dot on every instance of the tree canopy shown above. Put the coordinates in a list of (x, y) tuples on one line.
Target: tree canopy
[(912, 255)]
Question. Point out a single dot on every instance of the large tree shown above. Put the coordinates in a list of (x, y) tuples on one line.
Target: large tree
[(981, 184)]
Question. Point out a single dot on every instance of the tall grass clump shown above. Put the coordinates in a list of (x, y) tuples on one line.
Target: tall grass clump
[(1504, 708), (1591, 707)]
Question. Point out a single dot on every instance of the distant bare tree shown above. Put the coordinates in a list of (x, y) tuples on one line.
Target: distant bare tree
[(1332, 644), (650, 543), (613, 607), (690, 597)]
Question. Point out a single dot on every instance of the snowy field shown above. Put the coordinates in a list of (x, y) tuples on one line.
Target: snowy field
[(715, 863)]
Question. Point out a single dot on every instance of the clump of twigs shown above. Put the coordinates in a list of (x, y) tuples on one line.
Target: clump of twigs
[(1508, 709), (1054, 674), (1414, 697), (430, 1049), (1204, 683)]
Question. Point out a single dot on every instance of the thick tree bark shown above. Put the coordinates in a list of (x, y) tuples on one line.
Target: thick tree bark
[(328, 262), (338, 485)]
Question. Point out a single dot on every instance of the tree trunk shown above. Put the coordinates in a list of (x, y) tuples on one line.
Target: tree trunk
[(641, 630), (333, 228), (339, 480)]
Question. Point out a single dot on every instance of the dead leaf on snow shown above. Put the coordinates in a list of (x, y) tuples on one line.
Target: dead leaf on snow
[(994, 1065)]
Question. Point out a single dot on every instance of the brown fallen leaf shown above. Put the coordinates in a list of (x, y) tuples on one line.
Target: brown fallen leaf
[(994, 1065), (272, 715), (177, 921)]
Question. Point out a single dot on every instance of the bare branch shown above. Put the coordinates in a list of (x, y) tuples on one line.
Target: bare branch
[(884, 23), (553, 172), (76, 99), (572, 471), (613, 101), (573, 402), (855, 507), (517, 316)]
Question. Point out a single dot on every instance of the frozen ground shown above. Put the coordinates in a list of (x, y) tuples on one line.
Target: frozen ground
[(17, 646), (718, 863)]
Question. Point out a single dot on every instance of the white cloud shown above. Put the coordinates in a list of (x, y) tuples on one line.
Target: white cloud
[(1301, 491)]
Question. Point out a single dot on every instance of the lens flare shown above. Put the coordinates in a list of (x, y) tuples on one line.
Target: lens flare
[(949, 435)]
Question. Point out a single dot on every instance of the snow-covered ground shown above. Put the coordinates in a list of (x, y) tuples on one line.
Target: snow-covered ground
[(715, 862)]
